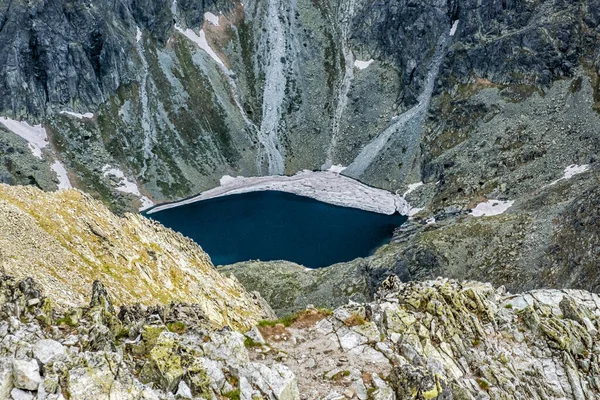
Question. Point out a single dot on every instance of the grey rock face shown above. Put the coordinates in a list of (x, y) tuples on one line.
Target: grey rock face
[(147, 94)]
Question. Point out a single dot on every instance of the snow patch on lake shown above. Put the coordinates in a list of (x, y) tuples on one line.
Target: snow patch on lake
[(326, 186), (571, 171), (35, 135), (63, 177), (126, 186), (212, 18), (78, 115), (491, 208), (363, 64)]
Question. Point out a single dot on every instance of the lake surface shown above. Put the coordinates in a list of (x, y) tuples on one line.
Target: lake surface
[(271, 225)]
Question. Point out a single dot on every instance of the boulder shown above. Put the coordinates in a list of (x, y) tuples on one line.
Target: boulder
[(47, 350), (164, 363), (18, 394), (26, 374), (255, 335), (183, 391)]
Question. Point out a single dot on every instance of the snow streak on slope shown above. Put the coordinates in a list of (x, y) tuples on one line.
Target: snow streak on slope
[(61, 173), (274, 44), (201, 41), (346, 14), (409, 122), (88, 115)]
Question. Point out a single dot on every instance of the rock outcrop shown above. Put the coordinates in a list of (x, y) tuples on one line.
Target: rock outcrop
[(439, 339), (67, 240)]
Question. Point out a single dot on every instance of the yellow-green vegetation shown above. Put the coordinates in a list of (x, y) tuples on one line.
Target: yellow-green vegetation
[(177, 327), (233, 395), (300, 316), (483, 384), (66, 240), (355, 320)]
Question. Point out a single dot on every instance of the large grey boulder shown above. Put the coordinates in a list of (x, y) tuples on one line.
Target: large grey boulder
[(18, 394), (47, 350), (26, 374)]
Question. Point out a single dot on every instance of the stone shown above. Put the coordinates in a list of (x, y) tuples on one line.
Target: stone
[(183, 391), (255, 335), (6, 377), (164, 363), (18, 394), (26, 374), (47, 350)]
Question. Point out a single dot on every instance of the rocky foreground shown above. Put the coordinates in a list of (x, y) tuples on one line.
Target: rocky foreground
[(430, 340)]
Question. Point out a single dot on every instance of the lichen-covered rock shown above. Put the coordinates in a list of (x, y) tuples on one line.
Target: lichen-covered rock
[(163, 367)]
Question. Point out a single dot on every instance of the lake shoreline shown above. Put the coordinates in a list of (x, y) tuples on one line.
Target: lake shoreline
[(327, 186)]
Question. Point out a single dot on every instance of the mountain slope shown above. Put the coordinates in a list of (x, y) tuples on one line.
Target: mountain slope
[(66, 240)]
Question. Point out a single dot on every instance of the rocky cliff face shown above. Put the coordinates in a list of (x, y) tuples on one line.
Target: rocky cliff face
[(66, 240), (180, 98), (431, 340)]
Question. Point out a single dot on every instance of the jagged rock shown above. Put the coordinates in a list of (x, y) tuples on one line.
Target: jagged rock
[(277, 381), (26, 374), (164, 363), (183, 391), (100, 298), (47, 350)]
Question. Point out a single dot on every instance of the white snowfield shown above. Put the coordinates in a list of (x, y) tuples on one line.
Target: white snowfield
[(35, 135), (326, 186), (212, 18), (412, 187), (61, 173), (571, 171), (363, 64), (126, 186), (491, 208), (78, 115), (201, 41)]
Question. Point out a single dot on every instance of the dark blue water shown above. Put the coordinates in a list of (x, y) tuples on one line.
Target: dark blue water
[(275, 225)]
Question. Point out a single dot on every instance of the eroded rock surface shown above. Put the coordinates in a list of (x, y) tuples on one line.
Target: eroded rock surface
[(437, 339)]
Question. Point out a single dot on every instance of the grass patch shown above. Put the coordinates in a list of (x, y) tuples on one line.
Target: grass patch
[(483, 384), (355, 320), (177, 327), (249, 342), (233, 395), (301, 319)]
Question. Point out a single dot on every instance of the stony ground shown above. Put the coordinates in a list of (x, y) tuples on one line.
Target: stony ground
[(430, 340)]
